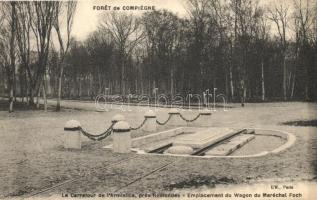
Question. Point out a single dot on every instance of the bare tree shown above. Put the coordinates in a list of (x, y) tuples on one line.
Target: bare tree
[(126, 32), (304, 15), (8, 46), (263, 37), (4, 42), (24, 42), (246, 14), (199, 13), (165, 42), (70, 8), (43, 16), (12, 54), (225, 28), (279, 15), (303, 21), (315, 23)]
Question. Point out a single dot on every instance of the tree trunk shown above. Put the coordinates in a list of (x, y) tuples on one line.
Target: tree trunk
[(122, 82), (306, 92), (244, 95), (38, 99), (226, 84), (22, 88), (38, 96), (14, 86), (11, 70), (262, 80), (27, 90), (293, 85), (88, 88), (242, 92), (11, 98), (284, 79), (149, 87), (109, 87), (172, 82), (79, 92), (44, 94), (27, 98), (99, 82), (231, 83), (59, 91), (31, 93)]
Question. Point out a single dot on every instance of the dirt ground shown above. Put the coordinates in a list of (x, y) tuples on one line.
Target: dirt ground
[(32, 159)]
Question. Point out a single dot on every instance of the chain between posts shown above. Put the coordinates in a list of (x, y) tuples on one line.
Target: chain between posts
[(189, 120), (181, 116), (142, 124), (163, 123), (108, 132), (98, 137)]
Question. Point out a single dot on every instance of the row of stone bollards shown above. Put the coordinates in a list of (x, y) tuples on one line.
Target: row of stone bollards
[(121, 130)]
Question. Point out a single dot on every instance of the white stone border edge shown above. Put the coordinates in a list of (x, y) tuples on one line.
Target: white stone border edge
[(290, 141)]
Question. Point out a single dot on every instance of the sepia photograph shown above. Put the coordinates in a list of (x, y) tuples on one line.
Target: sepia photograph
[(158, 99)]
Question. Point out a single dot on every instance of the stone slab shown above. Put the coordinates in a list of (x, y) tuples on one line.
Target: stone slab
[(230, 146), (155, 145), (154, 137), (204, 138)]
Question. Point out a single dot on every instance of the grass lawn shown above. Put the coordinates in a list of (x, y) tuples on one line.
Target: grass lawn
[(32, 157)]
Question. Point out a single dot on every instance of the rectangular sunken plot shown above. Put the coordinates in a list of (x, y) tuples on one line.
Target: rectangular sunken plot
[(230, 146), (204, 138)]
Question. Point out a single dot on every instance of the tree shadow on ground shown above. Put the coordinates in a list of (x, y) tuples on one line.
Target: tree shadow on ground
[(198, 181), (20, 106), (301, 123)]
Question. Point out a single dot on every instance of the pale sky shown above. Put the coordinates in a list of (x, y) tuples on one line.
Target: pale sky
[(86, 18)]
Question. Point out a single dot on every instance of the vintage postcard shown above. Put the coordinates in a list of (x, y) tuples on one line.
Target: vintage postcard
[(158, 99)]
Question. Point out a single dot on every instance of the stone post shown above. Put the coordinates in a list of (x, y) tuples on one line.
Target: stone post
[(117, 118), (150, 124), (72, 135), (175, 118), (121, 137)]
